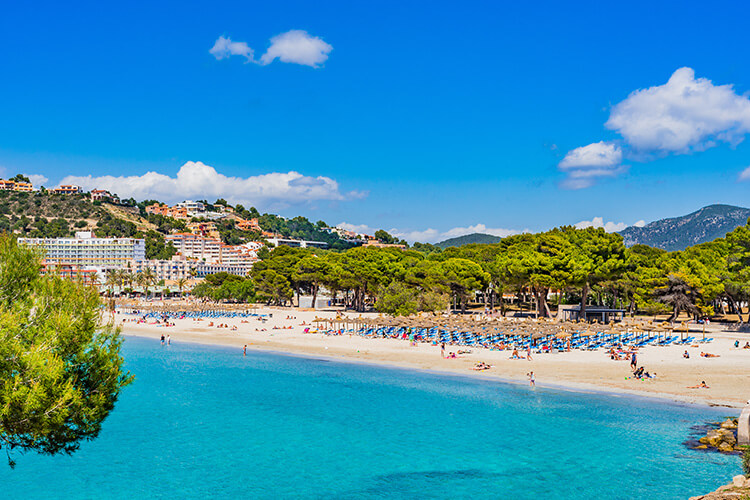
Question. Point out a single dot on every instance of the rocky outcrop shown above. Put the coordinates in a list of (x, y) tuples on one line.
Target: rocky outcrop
[(738, 489), (723, 439)]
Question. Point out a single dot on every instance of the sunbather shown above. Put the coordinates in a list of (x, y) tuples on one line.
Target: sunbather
[(702, 385)]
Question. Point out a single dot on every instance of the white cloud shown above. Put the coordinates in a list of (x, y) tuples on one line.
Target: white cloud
[(224, 47), (640, 223), (297, 46), (610, 227), (197, 180), (683, 115), (431, 235), (37, 179), (744, 175), (357, 228), (586, 164)]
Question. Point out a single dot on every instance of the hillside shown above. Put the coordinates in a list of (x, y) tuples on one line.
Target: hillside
[(467, 240), (42, 214), (678, 233)]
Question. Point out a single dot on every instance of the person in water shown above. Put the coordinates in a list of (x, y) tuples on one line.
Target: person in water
[(244, 350), (532, 379)]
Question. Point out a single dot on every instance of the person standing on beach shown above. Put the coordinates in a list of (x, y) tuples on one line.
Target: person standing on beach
[(169, 340), (442, 349), (532, 379), (633, 361), (528, 353)]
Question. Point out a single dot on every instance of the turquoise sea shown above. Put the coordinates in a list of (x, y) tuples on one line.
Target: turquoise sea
[(205, 422)]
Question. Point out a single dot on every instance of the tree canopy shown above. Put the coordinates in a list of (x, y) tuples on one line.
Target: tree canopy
[(61, 371)]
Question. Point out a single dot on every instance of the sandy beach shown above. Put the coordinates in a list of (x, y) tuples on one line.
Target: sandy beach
[(728, 375)]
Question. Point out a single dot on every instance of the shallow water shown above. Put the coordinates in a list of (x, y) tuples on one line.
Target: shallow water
[(206, 422)]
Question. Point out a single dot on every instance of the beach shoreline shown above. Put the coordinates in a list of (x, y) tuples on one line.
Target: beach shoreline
[(579, 371)]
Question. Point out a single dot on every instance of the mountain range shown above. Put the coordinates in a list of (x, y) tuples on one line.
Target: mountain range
[(676, 233)]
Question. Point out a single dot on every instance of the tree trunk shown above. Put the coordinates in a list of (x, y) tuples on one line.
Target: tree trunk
[(315, 294), (675, 313), (736, 309), (584, 299)]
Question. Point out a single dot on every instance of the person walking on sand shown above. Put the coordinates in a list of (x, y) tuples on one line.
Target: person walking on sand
[(633, 361), (528, 352), (532, 379), (442, 349)]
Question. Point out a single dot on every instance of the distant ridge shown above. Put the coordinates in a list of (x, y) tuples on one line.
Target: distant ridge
[(468, 240), (678, 233)]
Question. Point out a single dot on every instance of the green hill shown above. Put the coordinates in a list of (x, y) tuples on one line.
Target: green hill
[(678, 233), (467, 240), (42, 214)]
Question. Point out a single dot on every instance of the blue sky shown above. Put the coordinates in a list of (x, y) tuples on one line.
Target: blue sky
[(430, 119)]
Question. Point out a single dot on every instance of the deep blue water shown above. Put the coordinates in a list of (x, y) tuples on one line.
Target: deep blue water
[(204, 422)]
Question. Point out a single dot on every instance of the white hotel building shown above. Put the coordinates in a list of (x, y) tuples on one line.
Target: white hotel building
[(86, 250)]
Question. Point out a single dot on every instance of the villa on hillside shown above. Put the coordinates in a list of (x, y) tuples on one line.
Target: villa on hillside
[(67, 189), (102, 195), (15, 186)]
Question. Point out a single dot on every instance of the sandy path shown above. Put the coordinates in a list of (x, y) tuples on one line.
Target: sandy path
[(728, 375)]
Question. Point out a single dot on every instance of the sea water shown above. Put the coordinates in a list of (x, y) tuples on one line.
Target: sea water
[(207, 422)]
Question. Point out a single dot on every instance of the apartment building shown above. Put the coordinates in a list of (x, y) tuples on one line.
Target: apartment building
[(181, 268), (6, 185), (197, 247), (85, 250), (193, 246)]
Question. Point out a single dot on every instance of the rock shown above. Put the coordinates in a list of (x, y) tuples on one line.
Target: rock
[(703, 440), (701, 447), (713, 438), (726, 448), (738, 481), (727, 436), (728, 424)]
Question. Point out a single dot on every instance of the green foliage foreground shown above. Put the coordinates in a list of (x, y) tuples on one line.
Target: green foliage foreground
[(61, 371)]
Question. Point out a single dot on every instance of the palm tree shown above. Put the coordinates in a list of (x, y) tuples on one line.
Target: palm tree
[(149, 278), (127, 278), (113, 279), (181, 284), (94, 278)]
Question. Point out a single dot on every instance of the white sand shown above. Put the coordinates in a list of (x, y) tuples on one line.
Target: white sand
[(728, 375)]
